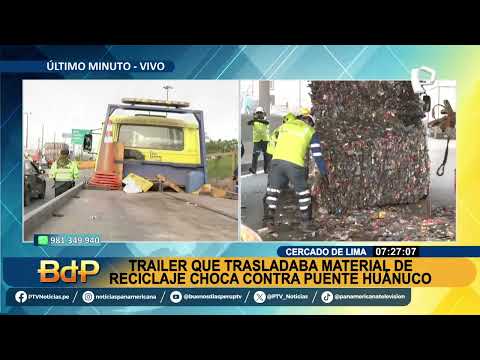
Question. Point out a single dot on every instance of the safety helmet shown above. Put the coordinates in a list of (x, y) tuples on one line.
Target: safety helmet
[(288, 117), (259, 109), (304, 111), (308, 119)]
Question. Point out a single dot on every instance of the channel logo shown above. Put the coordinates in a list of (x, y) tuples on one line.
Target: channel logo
[(176, 297), (51, 271), (88, 297), (21, 296)]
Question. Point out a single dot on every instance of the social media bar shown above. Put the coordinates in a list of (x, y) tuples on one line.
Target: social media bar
[(207, 297)]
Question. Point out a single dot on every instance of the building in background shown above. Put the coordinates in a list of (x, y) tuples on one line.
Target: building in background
[(285, 95)]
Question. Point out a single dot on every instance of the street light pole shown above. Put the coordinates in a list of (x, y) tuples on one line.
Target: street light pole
[(43, 125), (168, 87), (264, 95), (26, 135)]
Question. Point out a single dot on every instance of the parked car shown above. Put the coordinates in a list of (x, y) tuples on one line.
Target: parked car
[(34, 184)]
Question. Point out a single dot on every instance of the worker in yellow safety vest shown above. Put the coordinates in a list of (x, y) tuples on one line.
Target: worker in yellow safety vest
[(270, 149), (295, 138), (261, 136), (305, 115), (273, 137), (64, 172)]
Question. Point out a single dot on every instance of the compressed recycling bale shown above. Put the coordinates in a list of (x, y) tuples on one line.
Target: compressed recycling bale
[(374, 143)]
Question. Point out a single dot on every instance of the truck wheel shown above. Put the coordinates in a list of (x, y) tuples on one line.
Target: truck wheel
[(42, 193), (26, 197)]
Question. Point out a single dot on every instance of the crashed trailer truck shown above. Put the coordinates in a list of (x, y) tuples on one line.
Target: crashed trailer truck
[(159, 138)]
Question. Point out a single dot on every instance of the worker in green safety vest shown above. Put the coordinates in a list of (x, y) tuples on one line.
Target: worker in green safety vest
[(261, 136), (64, 172), (295, 138), (270, 149), (274, 136)]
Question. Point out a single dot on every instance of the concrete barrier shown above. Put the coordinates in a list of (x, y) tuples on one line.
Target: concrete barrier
[(42, 213)]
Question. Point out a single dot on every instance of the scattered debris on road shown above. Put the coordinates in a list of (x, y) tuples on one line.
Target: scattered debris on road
[(135, 184), (216, 192), (165, 182), (388, 223)]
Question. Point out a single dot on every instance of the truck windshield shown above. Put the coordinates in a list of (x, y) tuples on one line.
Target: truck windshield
[(151, 137)]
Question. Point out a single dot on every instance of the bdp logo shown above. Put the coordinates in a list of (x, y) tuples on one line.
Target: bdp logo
[(176, 297), (88, 297), (51, 272), (21, 296)]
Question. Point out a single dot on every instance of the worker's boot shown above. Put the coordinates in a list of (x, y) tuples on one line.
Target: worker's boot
[(269, 220), (270, 224), (270, 201), (307, 225), (266, 162), (268, 215), (305, 206)]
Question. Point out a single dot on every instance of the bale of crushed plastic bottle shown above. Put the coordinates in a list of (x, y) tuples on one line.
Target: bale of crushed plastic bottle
[(374, 143)]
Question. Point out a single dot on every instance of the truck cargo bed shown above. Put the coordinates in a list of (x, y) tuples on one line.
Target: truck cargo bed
[(151, 216)]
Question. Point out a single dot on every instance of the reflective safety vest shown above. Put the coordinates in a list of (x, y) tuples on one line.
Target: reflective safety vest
[(273, 137), (273, 141), (260, 131), (68, 173), (293, 142)]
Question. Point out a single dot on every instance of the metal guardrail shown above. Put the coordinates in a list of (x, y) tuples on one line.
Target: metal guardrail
[(38, 216)]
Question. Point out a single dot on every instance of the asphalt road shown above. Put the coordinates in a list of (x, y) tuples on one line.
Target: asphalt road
[(252, 191), (151, 216), (50, 193), (442, 188)]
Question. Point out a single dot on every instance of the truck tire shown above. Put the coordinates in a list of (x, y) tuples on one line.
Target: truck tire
[(26, 197), (42, 193)]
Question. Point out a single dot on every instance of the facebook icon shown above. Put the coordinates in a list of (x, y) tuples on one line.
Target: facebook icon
[(21, 296)]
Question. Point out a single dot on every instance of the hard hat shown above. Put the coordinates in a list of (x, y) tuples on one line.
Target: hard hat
[(308, 119), (288, 117), (304, 111), (259, 109)]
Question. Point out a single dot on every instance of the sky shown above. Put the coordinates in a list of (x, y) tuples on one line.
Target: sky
[(81, 104)]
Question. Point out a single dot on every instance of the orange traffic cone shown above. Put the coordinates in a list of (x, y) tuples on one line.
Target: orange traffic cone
[(105, 176)]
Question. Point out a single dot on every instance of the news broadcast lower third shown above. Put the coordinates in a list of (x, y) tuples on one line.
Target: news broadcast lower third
[(240, 179)]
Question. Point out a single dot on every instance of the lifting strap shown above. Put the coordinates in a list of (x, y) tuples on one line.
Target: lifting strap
[(441, 168)]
